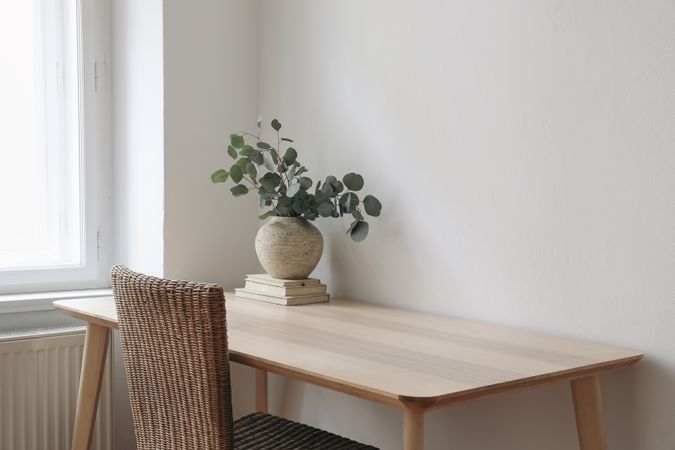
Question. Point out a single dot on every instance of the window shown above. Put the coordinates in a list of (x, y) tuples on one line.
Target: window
[(54, 180)]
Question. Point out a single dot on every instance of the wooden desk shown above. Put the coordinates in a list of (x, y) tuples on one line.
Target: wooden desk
[(409, 360)]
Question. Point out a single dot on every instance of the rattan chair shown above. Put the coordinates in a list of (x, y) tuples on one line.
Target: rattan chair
[(174, 343)]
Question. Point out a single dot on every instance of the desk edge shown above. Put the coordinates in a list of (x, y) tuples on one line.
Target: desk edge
[(440, 401), (60, 305)]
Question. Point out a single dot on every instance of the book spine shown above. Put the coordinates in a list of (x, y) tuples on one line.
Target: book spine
[(285, 291), (283, 283), (289, 301)]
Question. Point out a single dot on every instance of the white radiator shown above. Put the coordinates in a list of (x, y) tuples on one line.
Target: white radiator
[(39, 379)]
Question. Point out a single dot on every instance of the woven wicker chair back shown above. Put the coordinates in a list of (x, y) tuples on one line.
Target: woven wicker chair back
[(174, 342)]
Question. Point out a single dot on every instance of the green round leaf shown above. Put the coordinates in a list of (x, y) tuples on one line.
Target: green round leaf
[(239, 190), (263, 145), (329, 190), (359, 231), (242, 162), (357, 214), (321, 197), (325, 209), (349, 202), (330, 179), (265, 198), (270, 213), (219, 176), (270, 181), (232, 152), (303, 194), (254, 155), (236, 173), (284, 211), (300, 206), (276, 124), (372, 205), (353, 181), (305, 183), (237, 140), (251, 171), (246, 150), (290, 155), (351, 226), (257, 157)]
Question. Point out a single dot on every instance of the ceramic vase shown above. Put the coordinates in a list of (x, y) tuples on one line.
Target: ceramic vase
[(289, 247)]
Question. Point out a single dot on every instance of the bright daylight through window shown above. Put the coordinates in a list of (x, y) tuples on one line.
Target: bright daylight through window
[(45, 228)]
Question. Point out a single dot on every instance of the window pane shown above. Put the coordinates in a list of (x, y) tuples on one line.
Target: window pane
[(40, 138)]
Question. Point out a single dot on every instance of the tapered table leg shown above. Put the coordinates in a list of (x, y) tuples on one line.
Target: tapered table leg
[(588, 412), (93, 361), (261, 391), (413, 429)]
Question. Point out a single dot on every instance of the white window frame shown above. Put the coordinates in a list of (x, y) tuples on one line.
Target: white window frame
[(95, 170)]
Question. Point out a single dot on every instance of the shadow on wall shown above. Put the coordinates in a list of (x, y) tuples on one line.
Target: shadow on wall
[(522, 420), (630, 399), (525, 419), (391, 248)]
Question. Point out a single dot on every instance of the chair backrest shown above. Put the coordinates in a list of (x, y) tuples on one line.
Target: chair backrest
[(174, 343)]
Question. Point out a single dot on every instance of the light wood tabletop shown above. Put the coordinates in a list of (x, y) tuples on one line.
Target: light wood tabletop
[(406, 359)]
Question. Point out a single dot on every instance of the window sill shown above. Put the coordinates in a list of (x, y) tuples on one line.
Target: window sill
[(42, 301)]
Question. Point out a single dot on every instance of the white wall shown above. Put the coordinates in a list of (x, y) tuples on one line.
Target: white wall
[(138, 134), (524, 153), (210, 90)]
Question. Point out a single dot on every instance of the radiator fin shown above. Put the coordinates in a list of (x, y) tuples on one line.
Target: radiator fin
[(39, 379)]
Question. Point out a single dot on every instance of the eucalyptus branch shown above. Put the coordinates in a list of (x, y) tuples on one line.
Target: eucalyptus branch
[(246, 133), (279, 156), (250, 181), (274, 184)]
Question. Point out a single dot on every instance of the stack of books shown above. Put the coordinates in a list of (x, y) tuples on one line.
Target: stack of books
[(264, 288)]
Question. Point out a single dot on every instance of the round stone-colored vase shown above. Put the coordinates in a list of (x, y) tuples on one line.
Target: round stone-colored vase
[(289, 247)]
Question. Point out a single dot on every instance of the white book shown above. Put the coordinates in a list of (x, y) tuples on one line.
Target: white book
[(281, 291), (287, 301), (266, 279)]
